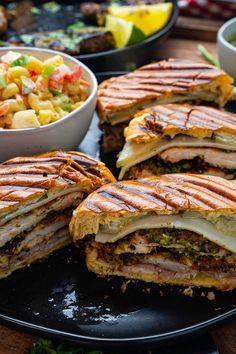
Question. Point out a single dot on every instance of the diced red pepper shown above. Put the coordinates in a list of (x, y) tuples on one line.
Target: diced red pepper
[(56, 80), (4, 109), (32, 73), (75, 75)]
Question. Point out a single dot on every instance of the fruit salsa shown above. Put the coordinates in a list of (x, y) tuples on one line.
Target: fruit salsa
[(34, 92)]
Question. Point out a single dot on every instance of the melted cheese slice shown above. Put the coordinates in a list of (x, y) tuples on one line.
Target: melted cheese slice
[(198, 225), (124, 115), (134, 153)]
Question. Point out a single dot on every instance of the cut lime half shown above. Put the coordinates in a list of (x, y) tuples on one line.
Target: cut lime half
[(125, 32)]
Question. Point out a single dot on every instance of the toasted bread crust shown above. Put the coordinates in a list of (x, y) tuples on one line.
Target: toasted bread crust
[(24, 178), (172, 119), (167, 194), (162, 80)]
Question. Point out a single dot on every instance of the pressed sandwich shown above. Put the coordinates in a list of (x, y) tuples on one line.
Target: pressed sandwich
[(171, 81), (37, 195), (179, 138), (176, 229)]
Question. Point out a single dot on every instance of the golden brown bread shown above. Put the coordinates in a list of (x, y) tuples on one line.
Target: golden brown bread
[(161, 81), (172, 119), (167, 194), (25, 178)]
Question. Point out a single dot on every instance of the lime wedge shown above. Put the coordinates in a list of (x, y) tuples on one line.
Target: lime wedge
[(148, 18), (125, 32)]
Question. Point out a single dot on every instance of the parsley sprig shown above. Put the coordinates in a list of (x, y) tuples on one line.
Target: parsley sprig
[(45, 346)]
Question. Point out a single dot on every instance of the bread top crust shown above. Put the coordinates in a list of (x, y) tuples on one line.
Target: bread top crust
[(24, 178), (172, 119), (167, 77), (167, 194)]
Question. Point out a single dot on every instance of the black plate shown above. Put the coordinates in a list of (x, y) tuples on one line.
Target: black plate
[(60, 298), (118, 59)]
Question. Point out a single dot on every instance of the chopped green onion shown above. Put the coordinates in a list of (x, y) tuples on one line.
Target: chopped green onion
[(35, 10), (55, 92), (66, 106), (76, 25), (21, 61), (48, 71), (51, 6), (208, 56)]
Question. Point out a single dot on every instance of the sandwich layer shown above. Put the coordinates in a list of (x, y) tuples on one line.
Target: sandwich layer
[(37, 195), (30, 182), (158, 83), (179, 133), (160, 268), (174, 229)]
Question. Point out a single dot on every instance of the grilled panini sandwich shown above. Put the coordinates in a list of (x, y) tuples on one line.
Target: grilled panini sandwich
[(176, 229), (179, 138), (37, 195), (162, 82)]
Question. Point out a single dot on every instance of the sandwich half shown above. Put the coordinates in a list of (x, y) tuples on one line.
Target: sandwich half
[(176, 229), (167, 81), (179, 138), (37, 196)]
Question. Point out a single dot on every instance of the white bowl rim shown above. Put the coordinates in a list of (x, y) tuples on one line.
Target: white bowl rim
[(69, 115), (221, 32)]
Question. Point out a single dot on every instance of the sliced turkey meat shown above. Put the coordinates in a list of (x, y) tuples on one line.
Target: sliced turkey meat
[(212, 156)]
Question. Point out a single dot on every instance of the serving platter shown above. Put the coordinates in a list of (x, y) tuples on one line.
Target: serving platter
[(69, 13), (59, 297)]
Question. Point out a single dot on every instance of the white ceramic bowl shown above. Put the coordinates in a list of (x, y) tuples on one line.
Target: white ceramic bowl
[(64, 134), (226, 51)]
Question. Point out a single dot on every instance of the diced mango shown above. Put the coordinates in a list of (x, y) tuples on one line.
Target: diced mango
[(35, 65), (18, 71), (56, 61), (45, 116), (10, 91)]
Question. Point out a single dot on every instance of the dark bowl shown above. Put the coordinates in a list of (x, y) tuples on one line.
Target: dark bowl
[(134, 55)]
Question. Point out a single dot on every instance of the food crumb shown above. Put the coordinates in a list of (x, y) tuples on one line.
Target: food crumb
[(203, 294), (188, 291), (211, 295), (124, 286), (161, 293)]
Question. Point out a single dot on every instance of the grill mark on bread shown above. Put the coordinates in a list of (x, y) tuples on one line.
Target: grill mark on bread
[(25, 177), (176, 191), (218, 187), (178, 64), (173, 119), (165, 79), (195, 116), (145, 192), (200, 195)]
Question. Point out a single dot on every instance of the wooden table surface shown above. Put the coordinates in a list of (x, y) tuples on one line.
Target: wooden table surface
[(183, 42)]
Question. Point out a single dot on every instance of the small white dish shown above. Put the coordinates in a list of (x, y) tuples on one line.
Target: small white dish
[(64, 134), (226, 51)]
